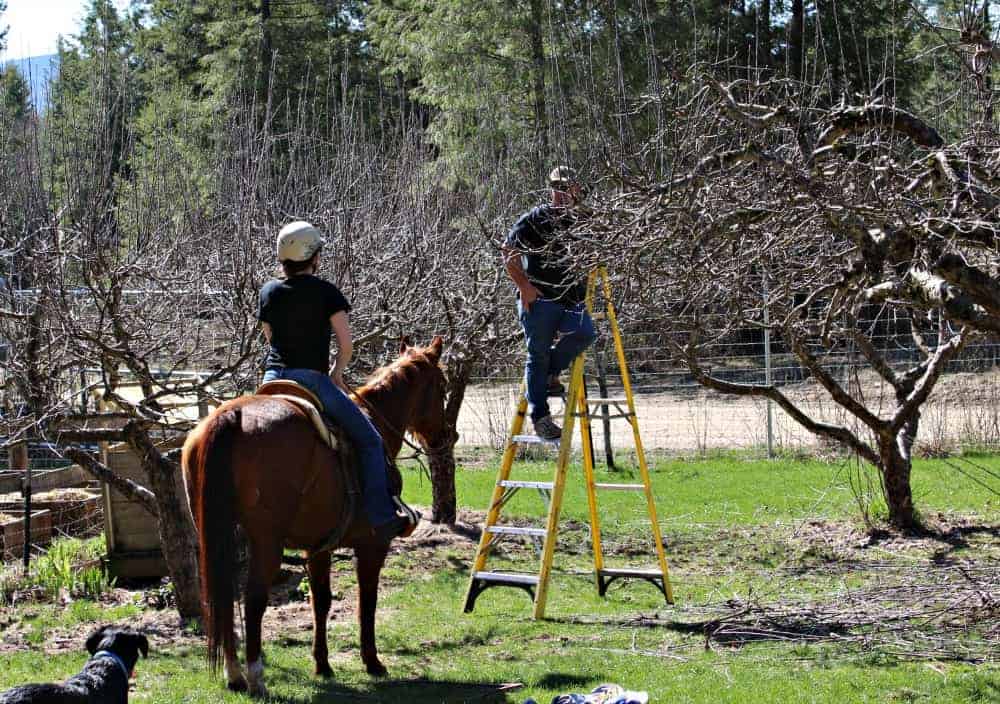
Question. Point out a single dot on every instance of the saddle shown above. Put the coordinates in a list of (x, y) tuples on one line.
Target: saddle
[(306, 400)]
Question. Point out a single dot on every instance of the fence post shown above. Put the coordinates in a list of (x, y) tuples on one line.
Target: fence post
[(767, 370), (19, 462)]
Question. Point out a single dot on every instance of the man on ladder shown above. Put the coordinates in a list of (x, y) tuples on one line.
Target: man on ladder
[(551, 295)]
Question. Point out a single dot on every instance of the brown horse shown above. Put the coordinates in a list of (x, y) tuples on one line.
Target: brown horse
[(259, 462)]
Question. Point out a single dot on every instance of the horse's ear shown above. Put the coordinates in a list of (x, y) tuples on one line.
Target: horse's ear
[(404, 342), (435, 349)]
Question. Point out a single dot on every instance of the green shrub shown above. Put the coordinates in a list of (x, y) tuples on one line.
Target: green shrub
[(70, 566)]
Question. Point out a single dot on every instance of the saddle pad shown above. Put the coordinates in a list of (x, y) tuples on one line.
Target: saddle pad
[(314, 415)]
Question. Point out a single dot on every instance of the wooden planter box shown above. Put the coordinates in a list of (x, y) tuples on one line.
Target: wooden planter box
[(71, 515), (132, 534), (12, 531)]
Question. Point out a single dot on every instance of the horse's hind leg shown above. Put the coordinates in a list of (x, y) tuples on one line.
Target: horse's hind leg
[(369, 565), (265, 561), (234, 673), (319, 589)]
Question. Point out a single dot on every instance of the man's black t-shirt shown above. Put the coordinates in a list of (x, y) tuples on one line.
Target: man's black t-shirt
[(539, 235), (298, 309)]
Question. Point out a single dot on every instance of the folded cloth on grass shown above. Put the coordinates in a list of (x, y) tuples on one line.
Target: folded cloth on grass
[(603, 694)]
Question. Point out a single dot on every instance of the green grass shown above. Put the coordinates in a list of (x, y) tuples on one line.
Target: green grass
[(731, 529), (731, 491)]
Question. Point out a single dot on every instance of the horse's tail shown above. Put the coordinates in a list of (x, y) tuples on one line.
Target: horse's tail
[(214, 510)]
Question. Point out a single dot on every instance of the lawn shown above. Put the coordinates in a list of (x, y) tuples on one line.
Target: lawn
[(778, 544)]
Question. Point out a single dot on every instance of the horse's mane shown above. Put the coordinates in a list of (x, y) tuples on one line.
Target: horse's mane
[(391, 378)]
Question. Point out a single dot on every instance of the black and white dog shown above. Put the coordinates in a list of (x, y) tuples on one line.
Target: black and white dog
[(104, 679)]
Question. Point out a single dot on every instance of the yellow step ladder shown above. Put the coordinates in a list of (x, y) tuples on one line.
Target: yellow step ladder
[(577, 406)]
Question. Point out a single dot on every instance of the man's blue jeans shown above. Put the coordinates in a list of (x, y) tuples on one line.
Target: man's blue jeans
[(541, 324), (366, 440)]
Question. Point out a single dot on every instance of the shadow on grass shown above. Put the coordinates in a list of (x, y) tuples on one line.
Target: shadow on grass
[(413, 691), (954, 538), (562, 680)]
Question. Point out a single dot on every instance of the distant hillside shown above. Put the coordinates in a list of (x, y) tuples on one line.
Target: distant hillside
[(38, 71)]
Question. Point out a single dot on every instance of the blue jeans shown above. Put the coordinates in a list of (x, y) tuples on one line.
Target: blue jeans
[(541, 324), (364, 437)]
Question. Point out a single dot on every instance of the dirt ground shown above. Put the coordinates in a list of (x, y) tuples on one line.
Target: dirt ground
[(963, 409)]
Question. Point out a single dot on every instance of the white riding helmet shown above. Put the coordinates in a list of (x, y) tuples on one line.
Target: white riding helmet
[(298, 241)]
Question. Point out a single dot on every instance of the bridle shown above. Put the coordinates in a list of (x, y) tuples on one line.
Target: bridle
[(430, 452)]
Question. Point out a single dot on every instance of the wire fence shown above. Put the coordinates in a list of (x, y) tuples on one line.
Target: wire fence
[(676, 414)]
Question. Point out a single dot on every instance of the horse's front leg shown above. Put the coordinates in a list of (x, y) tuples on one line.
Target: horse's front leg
[(318, 566), (369, 565), (265, 561)]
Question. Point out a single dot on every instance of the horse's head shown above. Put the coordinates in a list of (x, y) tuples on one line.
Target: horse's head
[(428, 424), (408, 395)]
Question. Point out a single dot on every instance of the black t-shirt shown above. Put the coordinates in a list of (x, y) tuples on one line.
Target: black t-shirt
[(298, 309), (540, 236)]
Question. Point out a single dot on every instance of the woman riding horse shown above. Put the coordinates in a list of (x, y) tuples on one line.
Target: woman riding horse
[(259, 462), (298, 313)]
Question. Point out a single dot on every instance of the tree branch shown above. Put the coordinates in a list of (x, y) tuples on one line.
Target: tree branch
[(126, 486)]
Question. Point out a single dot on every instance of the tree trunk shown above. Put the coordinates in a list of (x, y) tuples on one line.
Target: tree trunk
[(442, 465), (266, 52), (538, 81), (177, 535), (795, 47), (896, 454), (442, 460), (764, 34)]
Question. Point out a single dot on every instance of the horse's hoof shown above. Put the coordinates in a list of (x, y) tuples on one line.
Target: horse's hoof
[(376, 669), (324, 671), (239, 685)]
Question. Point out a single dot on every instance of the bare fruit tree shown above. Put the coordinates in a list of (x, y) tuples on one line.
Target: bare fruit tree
[(778, 209)]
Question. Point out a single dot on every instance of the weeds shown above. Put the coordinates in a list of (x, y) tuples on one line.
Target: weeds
[(69, 567)]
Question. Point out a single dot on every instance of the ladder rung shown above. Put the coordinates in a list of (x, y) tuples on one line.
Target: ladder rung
[(514, 530), (606, 401), (506, 577), (630, 572), (621, 487), (526, 485), (601, 416), (533, 440), (597, 315)]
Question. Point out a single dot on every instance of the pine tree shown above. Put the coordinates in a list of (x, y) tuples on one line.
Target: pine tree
[(3, 29)]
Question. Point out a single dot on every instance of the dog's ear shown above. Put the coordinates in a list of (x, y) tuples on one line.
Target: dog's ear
[(143, 644), (404, 342), (94, 641)]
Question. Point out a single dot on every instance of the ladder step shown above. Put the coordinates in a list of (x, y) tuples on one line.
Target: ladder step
[(526, 485), (532, 440), (621, 487), (507, 577), (631, 572), (603, 401), (515, 530)]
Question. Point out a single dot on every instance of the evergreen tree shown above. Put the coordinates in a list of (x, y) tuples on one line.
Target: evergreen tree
[(3, 28), (15, 95)]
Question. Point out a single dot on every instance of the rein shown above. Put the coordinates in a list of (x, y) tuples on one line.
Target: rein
[(417, 451), (400, 432)]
